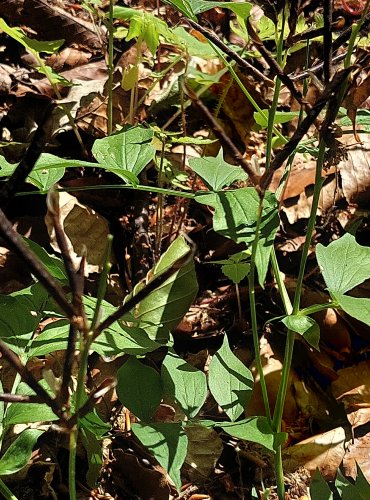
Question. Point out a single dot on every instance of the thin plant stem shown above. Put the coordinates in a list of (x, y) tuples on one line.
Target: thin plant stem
[(252, 302), (5, 491), (110, 68), (281, 395), (85, 344), (237, 290)]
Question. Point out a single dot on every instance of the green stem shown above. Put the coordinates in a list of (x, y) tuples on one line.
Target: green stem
[(317, 308), (110, 68), (85, 344), (5, 491), (252, 301), (280, 399)]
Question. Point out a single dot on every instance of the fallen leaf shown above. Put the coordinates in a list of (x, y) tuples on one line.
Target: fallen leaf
[(324, 451), (352, 388)]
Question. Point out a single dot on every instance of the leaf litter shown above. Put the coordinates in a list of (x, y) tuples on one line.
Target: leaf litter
[(337, 382)]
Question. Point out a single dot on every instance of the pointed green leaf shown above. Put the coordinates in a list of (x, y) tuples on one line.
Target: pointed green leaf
[(344, 263), (20, 315), (185, 384), (191, 8), (21, 413), (36, 46), (215, 172), (356, 307), (305, 326), (230, 381), (279, 117), (130, 150), (139, 387), (255, 429), (319, 489), (168, 443), (92, 430), (165, 307), (19, 452), (46, 178), (235, 217), (53, 264)]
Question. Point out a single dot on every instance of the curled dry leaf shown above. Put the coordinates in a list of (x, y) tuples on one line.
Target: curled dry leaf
[(324, 451), (352, 388), (84, 228), (355, 97), (352, 184)]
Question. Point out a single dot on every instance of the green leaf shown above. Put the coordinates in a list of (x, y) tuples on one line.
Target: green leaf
[(356, 307), (118, 339), (168, 443), (184, 383), (235, 217), (35, 46), (261, 117), (195, 48), (215, 172), (235, 267), (46, 178), (305, 326), (20, 315), (230, 381), (92, 430), (128, 151), (139, 387), (319, 489), (19, 452), (94, 453), (344, 263), (21, 413), (255, 429), (362, 485), (53, 264), (191, 8), (165, 307)]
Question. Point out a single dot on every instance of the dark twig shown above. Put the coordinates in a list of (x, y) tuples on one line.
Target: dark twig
[(223, 137), (20, 174), (16, 244), (328, 40), (27, 376), (212, 37), (20, 398), (93, 399), (316, 68), (274, 66), (76, 283), (311, 116)]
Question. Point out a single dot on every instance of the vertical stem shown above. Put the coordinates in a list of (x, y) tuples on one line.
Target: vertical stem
[(110, 69), (280, 399), (252, 301)]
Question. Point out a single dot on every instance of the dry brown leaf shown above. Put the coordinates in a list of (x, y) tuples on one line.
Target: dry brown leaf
[(352, 388), (353, 185), (84, 228), (272, 368), (355, 97), (324, 451), (204, 450), (357, 453), (68, 58)]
